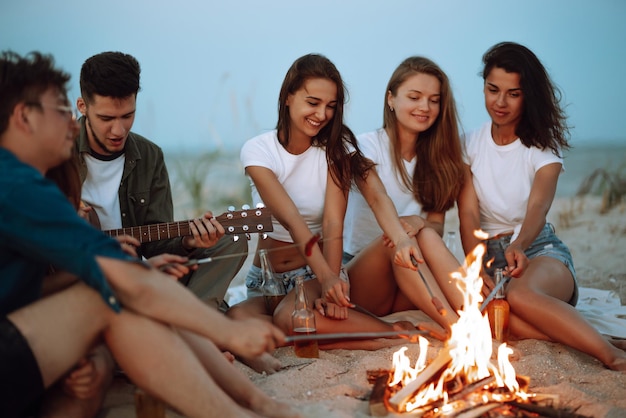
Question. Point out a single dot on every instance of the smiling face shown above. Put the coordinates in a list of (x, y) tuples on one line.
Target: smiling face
[(416, 104), (504, 98), (311, 108), (109, 121)]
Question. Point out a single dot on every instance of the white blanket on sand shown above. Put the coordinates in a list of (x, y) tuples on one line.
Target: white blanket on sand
[(602, 308)]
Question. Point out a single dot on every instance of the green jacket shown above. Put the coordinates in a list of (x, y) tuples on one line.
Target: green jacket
[(145, 193)]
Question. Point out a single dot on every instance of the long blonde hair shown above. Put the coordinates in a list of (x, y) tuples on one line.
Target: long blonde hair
[(438, 175)]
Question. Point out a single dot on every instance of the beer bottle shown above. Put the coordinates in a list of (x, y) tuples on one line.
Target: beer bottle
[(498, 312), (303, 321), (272, 288)]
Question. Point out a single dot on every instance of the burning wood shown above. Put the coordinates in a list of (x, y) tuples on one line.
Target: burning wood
[(400, 399), (462, 380)]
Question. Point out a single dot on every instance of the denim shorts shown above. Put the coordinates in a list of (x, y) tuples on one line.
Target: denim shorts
[(546, 244), (254, 280)]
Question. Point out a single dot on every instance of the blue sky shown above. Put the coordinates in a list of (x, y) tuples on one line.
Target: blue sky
[(211, 70)]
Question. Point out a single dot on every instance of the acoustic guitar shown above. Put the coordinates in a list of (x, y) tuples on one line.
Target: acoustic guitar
[(247, 221)]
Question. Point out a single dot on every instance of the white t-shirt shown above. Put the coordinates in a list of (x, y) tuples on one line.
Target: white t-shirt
[(360, 226), (503, 176), (101, 190), (303, 176)]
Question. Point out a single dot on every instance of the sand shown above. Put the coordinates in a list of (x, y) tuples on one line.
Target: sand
[(335, 385)]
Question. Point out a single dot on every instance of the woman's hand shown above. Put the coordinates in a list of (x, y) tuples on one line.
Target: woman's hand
[(336, 290), (516, 260), (411, 226), (408, 253), (330, 310)]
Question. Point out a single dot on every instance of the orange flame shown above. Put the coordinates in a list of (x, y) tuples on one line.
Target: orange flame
[(470, 346)]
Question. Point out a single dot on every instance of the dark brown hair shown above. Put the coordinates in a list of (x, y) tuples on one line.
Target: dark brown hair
[(336, 137), (543, 122), (25, 79)]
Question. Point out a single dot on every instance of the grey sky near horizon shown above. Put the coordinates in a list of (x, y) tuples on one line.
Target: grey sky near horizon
[(211, 71)]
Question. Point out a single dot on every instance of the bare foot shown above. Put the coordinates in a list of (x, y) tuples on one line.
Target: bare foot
[(618, 365), (618, 342), (270, 407), (263, 363)]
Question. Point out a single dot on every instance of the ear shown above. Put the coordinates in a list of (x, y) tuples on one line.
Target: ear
[(81, 105), (390, 100), (20, 117)]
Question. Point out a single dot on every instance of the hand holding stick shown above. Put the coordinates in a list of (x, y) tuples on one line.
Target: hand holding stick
[(434, 299)]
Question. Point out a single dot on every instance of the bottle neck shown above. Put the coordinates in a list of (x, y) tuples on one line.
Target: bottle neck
[(301, 302), (498, 277)]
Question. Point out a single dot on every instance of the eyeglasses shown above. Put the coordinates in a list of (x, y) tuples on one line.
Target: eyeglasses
[(65, 110)]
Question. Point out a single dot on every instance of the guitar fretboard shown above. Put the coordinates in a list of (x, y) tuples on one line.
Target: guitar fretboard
[(234, 222), (155, 232)]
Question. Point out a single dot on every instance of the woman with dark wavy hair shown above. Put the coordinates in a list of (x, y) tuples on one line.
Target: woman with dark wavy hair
[(513, 165)]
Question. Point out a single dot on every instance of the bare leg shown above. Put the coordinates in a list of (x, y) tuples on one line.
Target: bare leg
[(57, 335), (371, 279), (538, 298), (150, 352), (238, 386), (255, 308), (153, 356), (441, 262), (356, 322), (380, 284)]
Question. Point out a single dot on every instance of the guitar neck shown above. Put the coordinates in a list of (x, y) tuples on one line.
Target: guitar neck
[(257, 220), (154, 232)]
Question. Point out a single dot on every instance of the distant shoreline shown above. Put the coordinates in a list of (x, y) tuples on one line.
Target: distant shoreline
[(580, 162)]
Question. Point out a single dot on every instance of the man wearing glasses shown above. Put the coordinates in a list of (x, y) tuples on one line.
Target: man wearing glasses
[(125, 179)]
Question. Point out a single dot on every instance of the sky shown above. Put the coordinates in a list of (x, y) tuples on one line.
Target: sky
[(212, 70)]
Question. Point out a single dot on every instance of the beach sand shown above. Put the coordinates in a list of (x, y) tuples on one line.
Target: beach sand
[(335, 385)]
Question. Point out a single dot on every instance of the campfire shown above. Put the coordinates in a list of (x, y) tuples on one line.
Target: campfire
[(465, 379)]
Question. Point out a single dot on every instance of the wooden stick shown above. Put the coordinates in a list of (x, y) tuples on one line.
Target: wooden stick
[(478, 411), (399, 400), (546, 411), (372, 375), (377, 404), (470, 388)]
